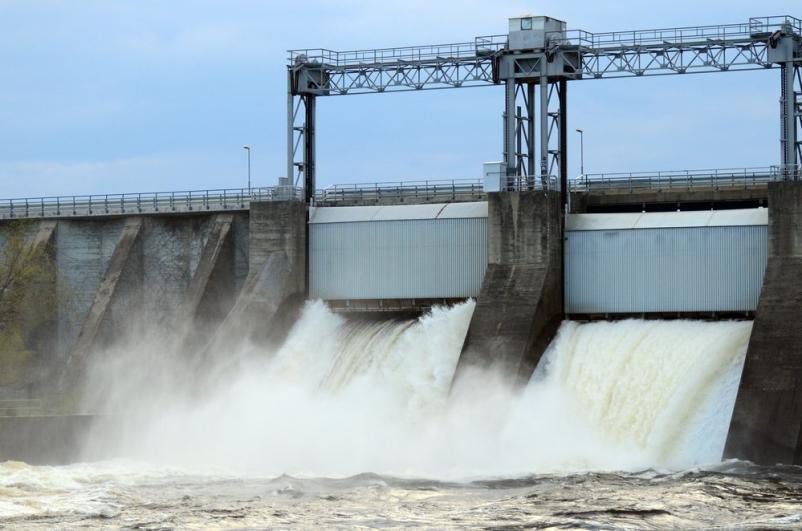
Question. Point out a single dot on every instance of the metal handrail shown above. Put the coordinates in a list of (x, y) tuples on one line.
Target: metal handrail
[(240, 198), (435, 188), (142, 202), (600, 42), (333, 58), (717, 177)]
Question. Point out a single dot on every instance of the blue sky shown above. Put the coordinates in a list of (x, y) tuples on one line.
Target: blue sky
[(102, 96)]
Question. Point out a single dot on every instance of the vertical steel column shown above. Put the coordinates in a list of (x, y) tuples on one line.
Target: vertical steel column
[(544, 132), (509, 128), (563, 147), (530, 127), (797, 97), (309, 147), (290, 130), (788, 120), (519, 122)]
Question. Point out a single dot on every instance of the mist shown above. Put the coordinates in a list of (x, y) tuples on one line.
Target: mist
[(344, 396)]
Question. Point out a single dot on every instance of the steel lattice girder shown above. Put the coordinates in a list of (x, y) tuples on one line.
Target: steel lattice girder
[(761, 43), (448, 73)]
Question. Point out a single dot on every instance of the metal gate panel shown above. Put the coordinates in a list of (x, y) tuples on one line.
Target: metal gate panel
[(675, 269), (397, 259)]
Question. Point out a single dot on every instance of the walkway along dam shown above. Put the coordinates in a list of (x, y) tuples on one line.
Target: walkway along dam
[(532, 248)]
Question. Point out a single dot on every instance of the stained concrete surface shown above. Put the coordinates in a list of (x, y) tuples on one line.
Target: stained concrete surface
[(766, 424), (520, 305)]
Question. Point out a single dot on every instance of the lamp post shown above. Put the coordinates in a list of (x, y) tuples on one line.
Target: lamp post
[(248, 149), (581, 152)]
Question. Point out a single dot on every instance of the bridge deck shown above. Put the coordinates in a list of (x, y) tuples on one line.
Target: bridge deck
[(746, 186)]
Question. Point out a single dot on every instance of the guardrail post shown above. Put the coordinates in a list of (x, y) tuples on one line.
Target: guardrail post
[(42, 204), (58, 206), (106, 204), (26, 209)]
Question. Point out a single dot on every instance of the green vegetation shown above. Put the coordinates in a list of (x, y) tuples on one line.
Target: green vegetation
[(27, 301)]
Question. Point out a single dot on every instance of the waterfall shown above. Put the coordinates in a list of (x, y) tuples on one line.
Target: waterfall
[(666, 388), (346, 396)]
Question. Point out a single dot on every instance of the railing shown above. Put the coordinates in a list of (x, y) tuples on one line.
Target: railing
[(686, 36), (402, 190), (432, 52), (411, 191), (490, 44), (684, 179), (144, 202)]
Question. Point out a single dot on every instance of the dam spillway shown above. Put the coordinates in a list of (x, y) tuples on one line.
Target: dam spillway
[(513, 261), (375, 396)]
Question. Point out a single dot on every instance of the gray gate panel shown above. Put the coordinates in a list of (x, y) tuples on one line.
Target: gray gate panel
[(687, 269), (399, 259)]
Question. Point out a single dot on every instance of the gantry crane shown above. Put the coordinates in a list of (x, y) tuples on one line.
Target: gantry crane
[(534, 62)]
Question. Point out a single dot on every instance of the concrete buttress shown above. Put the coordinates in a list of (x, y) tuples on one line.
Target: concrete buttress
[(105, 293), (212, 285), (520, 305), (766, 425), (275, 288)]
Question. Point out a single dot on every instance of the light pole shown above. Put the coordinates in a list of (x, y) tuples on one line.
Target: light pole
[(581, 152), (248, 149)]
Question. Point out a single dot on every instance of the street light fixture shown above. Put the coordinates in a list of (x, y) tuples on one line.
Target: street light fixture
[(247, 148), (581, 152)]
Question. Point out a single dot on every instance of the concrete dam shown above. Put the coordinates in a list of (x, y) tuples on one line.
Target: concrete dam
[(532, 275)]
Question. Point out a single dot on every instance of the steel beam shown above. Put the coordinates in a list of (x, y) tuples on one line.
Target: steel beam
[(530, 152), (788, 120), (509, 128), (310, 184), (544, 132), (798, 113)]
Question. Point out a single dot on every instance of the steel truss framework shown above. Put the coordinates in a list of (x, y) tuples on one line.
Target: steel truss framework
[(761, 43)]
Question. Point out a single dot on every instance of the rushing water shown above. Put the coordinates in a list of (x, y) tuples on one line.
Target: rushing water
[(352, 423)]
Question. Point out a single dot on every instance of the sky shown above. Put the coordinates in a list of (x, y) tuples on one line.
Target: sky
[(111, 96)]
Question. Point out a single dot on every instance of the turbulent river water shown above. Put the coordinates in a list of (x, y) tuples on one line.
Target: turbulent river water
[(354, 423)]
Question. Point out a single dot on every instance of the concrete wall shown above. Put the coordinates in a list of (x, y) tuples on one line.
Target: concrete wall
[(275, 288), (767, 421), (520, 305), (149, 285)]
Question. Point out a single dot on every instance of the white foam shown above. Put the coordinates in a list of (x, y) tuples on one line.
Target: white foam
[(340, 398)]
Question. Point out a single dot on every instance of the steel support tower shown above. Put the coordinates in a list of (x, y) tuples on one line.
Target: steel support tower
[(534, 62)]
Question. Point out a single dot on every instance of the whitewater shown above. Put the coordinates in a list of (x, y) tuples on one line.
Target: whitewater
[(355, 422)]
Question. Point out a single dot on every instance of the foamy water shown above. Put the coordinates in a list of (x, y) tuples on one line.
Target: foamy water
[(248, 438), (345, 397)]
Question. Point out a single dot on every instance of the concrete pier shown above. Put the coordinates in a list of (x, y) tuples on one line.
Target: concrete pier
[(275, 288), (767, 421), (520, 305)]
